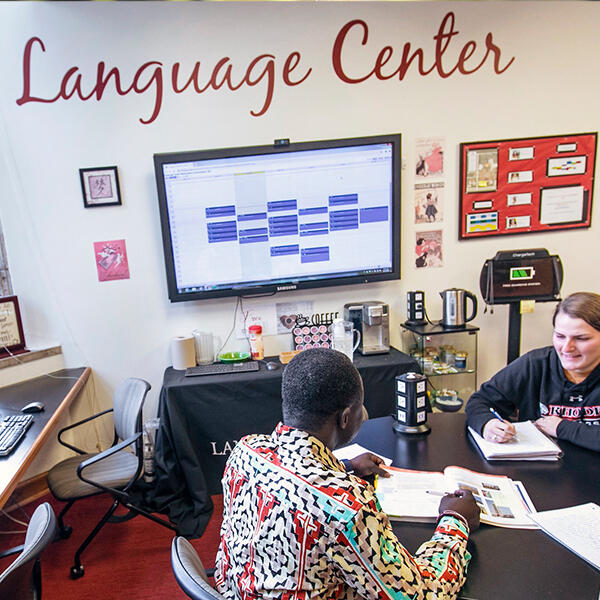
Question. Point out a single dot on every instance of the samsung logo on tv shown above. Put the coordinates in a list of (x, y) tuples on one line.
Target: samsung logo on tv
[(283, 288)]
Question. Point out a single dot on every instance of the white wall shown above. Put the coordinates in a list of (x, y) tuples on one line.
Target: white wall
[(122, 328)]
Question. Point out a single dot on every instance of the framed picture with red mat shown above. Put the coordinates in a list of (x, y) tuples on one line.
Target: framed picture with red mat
[(526, 185)]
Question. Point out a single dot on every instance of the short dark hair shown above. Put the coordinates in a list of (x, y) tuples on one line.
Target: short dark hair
[(316, 384), (581, 305)]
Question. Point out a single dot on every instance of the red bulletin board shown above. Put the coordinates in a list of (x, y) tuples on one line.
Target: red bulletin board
[(526, 185)]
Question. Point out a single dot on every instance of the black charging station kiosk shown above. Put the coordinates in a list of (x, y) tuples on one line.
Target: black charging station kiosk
[(515, 275)]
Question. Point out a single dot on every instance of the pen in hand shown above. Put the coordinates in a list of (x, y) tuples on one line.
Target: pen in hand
[(496, 414), (501, 433)]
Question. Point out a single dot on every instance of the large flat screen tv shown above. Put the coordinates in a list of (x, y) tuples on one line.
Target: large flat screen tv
[(262, 219)]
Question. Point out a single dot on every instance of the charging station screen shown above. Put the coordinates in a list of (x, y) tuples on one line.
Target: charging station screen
[(524, 279)]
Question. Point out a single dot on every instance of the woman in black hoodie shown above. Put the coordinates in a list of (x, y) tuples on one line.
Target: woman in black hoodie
[(557, 387)]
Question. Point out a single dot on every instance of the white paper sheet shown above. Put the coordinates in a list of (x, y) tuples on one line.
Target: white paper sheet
[(349, 452), (576, 527)]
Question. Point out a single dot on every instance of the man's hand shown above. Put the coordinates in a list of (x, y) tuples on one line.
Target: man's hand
[(368, 464), (496, 430), (462, 502), (548, 424)]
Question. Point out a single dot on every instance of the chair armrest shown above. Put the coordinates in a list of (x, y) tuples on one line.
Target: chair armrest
[(73, 425), (104, 454)]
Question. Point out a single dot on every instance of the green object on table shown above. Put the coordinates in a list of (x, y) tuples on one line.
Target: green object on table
[(231, 357)]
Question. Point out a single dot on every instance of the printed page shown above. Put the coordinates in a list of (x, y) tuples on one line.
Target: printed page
[(576, 527), (529, 442), (405, 494), (499, 499), (349, 452)]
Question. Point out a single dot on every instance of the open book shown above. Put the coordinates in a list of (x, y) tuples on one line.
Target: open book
[(576, 527), (529, 444), (415, 495)]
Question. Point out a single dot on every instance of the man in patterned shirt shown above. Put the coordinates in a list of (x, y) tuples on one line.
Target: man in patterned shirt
[(297, 525)]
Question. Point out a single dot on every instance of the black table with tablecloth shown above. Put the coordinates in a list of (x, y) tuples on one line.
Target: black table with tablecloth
[(201, 419)]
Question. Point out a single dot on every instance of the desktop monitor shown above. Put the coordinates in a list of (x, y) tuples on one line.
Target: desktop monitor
[(258, 220)]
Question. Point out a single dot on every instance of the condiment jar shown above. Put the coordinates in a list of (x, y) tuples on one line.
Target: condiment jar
[(256, 342)]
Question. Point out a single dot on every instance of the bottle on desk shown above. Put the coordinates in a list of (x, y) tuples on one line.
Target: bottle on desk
[(257, 349)]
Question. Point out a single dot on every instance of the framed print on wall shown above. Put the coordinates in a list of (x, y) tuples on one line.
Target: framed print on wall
[(12, 337), (100, 186)]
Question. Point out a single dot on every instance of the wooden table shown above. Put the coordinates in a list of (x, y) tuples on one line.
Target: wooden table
[(56, 391)]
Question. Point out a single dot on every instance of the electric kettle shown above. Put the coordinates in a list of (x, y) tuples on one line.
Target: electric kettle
[(455, 307)]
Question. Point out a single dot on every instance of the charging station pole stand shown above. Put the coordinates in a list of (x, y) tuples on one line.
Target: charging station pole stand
[(514, 331)]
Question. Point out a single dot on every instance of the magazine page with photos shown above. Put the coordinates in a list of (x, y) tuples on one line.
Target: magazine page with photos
[(410, 495)]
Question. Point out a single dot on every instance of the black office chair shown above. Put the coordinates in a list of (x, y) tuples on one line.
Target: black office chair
[(190, 573), (22, 580), (113, 471)]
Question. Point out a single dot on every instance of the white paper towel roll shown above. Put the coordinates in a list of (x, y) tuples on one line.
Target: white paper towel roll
[(183, 352)]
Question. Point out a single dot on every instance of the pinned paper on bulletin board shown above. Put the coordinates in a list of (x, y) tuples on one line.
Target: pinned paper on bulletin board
[(526, 185)]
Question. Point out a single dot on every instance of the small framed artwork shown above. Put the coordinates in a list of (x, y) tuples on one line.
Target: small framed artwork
[(100, 186), (12, 338)]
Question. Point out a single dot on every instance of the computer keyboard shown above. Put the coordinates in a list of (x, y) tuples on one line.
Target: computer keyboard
[(12, 429), (222, 368)]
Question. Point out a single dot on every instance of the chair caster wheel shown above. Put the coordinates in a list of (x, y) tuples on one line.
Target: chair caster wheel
[(77, 572), (65, 532)]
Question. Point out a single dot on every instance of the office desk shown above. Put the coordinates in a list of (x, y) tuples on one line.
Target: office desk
[(56, 393), (507, 563), (203, 417)]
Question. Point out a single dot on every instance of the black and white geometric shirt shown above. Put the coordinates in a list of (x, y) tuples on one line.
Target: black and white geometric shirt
[(297, 526)]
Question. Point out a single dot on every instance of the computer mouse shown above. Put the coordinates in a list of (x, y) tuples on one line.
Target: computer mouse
[(33, 407), (272, 365)]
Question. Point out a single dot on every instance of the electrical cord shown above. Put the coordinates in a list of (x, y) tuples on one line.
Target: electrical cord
[(237, 304), (427, 317), (245, 329), (489, 288), (9, 516), (91, 399), (22, 362)]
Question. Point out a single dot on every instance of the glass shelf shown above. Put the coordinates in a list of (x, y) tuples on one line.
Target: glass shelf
[(433, 374), (438, 349)]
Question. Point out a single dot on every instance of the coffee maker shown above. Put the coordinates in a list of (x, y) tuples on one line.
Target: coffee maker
[(372, 320)]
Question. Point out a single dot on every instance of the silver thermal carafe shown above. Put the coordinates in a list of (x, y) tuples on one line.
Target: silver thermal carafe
[(372, 320), (455, 307)]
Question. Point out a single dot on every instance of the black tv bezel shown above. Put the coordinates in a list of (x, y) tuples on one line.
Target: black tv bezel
[(288, 285)]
